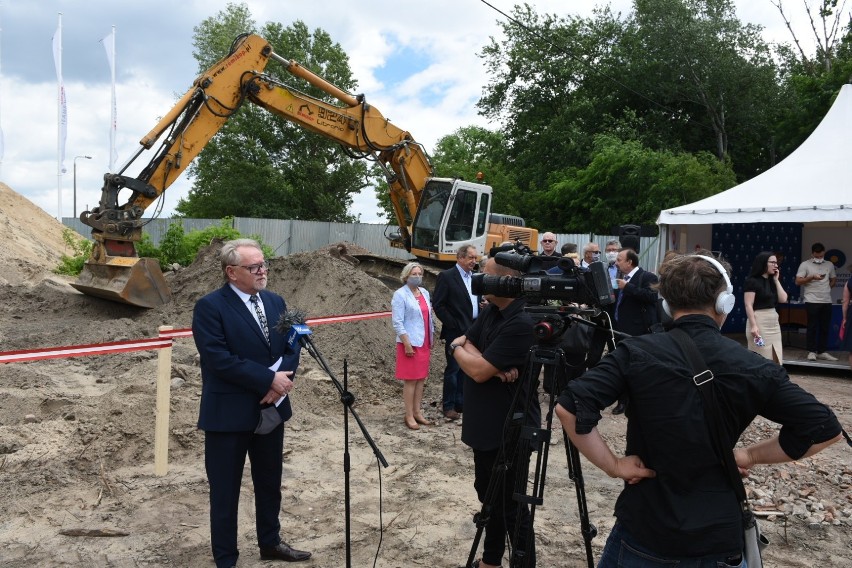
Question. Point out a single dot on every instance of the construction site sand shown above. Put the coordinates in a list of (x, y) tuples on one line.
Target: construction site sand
[(76, 435)]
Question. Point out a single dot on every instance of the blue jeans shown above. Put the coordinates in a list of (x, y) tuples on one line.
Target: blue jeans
[(621, 551), (453, 381)]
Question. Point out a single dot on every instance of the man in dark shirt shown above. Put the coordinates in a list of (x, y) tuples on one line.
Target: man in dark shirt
[(678, 503), (492, 355)]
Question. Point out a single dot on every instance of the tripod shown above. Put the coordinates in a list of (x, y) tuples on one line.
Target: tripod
[(522, 439)]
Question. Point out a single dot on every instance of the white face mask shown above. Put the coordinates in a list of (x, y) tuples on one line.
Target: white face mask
[(611, 256), (818, 260)]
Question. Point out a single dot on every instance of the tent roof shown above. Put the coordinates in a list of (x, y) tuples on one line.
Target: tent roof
[(812, 184)]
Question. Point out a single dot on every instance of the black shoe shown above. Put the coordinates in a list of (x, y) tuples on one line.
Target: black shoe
[(284, 552), (619, 408)]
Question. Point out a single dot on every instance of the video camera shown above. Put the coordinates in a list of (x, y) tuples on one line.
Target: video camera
[(546, 278)]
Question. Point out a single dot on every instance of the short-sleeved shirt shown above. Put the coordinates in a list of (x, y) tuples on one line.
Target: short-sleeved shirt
[(817, 291), (504, 338), (765, 292)]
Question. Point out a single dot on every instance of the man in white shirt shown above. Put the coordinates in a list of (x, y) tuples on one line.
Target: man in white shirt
[(816, 278)]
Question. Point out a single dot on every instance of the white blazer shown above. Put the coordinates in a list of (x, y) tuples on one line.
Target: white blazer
[(407, 318)]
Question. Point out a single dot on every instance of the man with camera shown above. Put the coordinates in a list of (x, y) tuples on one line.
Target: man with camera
[(492, 354), (679, 505)]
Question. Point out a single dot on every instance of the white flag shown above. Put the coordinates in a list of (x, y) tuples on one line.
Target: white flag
[(63, 109), (109, 46)]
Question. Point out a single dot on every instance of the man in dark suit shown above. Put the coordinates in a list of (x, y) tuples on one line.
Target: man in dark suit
[(456, 307), (636, 304), (239, 350)]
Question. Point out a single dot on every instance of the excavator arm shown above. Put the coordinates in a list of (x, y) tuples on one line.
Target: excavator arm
[(114, 270)]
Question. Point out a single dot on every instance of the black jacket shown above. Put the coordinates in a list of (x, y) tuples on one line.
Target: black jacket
[(637, 309), (452, 304)]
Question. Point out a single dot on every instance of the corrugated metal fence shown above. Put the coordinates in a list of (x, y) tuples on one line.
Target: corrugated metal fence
[(290, 236)]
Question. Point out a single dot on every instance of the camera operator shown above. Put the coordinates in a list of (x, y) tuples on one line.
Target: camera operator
[(678, 505), (492, 355)]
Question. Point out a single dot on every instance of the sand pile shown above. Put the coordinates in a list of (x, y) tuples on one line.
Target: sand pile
[(31, 239)]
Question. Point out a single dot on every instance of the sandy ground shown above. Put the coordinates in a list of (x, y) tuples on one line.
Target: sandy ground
[(76, 438)]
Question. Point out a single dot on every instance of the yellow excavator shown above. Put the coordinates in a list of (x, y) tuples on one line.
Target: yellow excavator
[(435, 215)]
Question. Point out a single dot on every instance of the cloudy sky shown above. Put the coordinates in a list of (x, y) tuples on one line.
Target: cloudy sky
[(415, 61)]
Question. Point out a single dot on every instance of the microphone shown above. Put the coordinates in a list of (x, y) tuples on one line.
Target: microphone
[(292, 324)]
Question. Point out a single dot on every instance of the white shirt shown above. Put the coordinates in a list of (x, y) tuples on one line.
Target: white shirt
[(466, 278), (246, 298)]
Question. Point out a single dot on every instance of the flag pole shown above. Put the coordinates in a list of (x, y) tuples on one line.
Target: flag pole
[(109, 46), (2, 144), (60, 115)]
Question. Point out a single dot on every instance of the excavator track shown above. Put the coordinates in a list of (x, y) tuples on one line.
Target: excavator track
[(387, 269)]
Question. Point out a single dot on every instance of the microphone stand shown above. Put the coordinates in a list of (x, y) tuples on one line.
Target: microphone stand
[(347, 398)]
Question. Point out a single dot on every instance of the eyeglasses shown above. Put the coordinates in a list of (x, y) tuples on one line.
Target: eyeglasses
[(548, 241), (255, 268)]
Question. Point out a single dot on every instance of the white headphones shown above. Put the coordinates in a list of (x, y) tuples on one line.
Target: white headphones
[(725, 300)]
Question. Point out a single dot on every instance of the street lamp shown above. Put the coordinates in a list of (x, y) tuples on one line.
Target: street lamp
[(75, 181)]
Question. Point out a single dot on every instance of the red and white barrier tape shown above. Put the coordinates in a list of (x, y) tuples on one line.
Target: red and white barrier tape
[(164, 340), (80, 350)]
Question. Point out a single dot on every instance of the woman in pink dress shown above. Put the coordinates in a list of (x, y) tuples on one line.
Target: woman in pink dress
[(411, 313)]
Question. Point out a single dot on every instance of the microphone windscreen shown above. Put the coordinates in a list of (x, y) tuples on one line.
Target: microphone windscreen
[(290, 318)]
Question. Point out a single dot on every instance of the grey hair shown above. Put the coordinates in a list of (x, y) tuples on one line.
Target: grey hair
[(461, 252), (612, 242), (230, 256)]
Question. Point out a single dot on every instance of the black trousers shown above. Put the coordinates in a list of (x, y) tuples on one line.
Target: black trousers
[(224, 459), (819, 323), (504, 511)]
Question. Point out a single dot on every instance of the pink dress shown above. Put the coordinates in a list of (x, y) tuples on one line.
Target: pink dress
[(417, 367)]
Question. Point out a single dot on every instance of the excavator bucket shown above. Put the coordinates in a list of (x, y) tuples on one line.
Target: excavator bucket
[(130, 280)]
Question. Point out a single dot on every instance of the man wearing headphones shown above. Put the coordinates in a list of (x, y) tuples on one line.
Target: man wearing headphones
[(678, 504)]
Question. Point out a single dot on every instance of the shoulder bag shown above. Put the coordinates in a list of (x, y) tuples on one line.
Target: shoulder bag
[(753, 540)]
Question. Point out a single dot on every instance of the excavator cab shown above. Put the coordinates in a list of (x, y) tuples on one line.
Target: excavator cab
[(452, 212)]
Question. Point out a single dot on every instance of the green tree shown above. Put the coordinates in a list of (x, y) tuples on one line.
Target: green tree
[(539, 73), (627, 182), (673, 75), (259, 164), (812, 79), (474, 153), (711, 78)]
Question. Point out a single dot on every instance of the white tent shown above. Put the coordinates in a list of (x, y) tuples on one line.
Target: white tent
[(811, 185)]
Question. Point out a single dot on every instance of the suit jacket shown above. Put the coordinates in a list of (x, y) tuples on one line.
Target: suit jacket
[(452, 304), (235, 359), (407, 317), (638, 309)]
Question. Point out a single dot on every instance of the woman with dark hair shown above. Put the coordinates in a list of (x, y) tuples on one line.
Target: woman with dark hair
[(762, 291)]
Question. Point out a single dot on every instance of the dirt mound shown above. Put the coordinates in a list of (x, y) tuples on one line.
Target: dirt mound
[(31, 241)]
